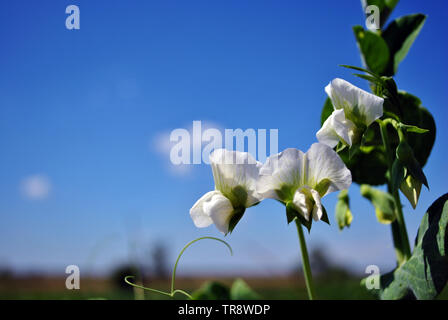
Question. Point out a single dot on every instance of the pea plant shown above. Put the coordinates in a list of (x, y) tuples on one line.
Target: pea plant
[(382, 137)]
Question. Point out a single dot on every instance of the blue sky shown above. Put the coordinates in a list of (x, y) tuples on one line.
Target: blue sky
[(84, 110)]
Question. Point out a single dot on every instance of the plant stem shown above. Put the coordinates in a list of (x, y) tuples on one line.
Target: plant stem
[(305, 262), (399, 232), (402, 224)]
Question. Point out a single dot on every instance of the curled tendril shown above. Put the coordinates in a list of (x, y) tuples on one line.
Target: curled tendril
[(173, 278)]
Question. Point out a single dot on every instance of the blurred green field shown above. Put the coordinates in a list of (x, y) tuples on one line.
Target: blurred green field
[(276, 288)]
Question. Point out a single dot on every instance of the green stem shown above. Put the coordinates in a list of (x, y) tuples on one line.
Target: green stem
[(399, 232), (173, 277), (402, 224), (305, 262)]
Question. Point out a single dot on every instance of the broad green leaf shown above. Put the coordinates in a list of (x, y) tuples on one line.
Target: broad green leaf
[(425, 274), (367, 167), (343, 214), (212, 291), (399, 35), (374, 50), (241, 291), (383, 202), (385, 6)]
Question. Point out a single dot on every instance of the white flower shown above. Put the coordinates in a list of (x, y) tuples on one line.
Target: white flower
[(355, 110), (304, 178), (235, 174)]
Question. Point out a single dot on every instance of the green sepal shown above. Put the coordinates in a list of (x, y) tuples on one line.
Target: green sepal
[(416, 171), (406, 156), (291, 212), (411, 189), (324, 217), (397, 175), (236, 217)]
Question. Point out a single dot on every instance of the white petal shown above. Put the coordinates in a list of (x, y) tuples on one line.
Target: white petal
[(324, 163), (200, 217), (327, 134), (336, 128), (300, 201), (213, 207), (346, 96), (317, 209), (304, 203), (284, 168), (234, 168), (220, 211)]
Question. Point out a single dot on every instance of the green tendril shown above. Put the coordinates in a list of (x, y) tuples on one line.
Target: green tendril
[(173, 278)]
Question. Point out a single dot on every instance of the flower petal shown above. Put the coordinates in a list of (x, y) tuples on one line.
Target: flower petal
[(358, 103), (232, 169), (220, 210), (336, 128), (282, 169), (317, 209), (200, 217), (324, 163), (302, 203)]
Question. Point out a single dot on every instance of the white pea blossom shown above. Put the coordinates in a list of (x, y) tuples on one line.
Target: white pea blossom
[(304, 178), (235, 174), (355, 110)]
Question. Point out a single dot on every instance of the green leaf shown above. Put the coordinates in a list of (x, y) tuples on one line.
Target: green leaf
[(399, 36), (343, 214), (425, 274), (415, 114), (385, 6), (383, 202), (212, 291), (241, 291), (367, 167), (374, 50)]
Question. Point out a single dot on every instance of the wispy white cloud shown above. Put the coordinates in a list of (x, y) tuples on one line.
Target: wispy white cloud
[(36, 187)]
